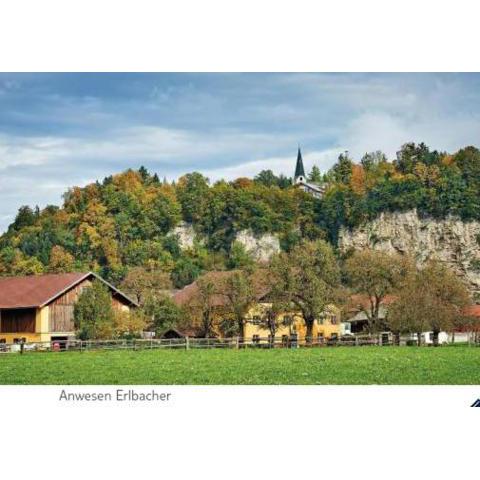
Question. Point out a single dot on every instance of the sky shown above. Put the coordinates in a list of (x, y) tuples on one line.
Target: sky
[(60, 130)]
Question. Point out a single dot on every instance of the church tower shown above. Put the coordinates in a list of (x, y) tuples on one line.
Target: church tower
[(299, 170)]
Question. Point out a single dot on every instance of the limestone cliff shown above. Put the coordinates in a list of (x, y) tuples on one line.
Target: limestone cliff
[(451, 240), (261, 247)]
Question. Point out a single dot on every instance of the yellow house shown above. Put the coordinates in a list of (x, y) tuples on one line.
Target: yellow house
[(288, 323), (292, 323), (39, 308)]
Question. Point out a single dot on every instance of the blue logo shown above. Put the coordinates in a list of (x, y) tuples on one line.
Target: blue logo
[(476, 403)]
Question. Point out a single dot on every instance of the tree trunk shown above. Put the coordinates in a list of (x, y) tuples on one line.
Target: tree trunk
[(309, 324), (272, 338), (396, 337), (419, 339), (435, 338), (241, 329)]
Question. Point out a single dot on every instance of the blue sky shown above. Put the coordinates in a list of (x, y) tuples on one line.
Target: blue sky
[(60, 130)]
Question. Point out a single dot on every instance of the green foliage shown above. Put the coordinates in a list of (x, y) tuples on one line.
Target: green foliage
[(93, 313), (268, 179), (432, 299), (127, 220), (185, 272), (342, 170), (163, 313), (192, 190), (315, 175), (307, 277), (239, 258)]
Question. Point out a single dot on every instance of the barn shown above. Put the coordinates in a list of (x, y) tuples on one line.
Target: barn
[(39, 308)]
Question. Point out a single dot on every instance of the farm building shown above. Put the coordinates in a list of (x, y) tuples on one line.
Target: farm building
[(289, 322), (40, 308)]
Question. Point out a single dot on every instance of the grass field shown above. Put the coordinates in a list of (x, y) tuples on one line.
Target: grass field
[(361, 365)]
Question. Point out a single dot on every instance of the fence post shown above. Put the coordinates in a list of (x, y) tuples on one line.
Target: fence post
[(187, 343), (237, 342)]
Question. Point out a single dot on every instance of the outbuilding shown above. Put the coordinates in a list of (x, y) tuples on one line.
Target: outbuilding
[(39, 308)]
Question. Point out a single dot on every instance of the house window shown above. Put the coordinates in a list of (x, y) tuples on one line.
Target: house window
[(320, 320), (256, 320), (333, 319), (256, 339), (3, 340)]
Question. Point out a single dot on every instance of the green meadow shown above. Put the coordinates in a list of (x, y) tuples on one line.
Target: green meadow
[(458, 365)]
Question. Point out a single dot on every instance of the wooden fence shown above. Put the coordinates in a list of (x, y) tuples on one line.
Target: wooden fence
[(187, 343)]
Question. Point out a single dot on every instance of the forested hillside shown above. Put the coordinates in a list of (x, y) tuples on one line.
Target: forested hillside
[(127, 219)]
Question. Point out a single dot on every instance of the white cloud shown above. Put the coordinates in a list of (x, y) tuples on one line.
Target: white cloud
[(387, 132), (285, 164)]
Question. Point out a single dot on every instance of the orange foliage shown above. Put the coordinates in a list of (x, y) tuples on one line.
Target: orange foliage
[(357, 180)]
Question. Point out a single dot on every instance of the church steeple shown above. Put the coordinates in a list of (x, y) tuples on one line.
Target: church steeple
[(299, 170)]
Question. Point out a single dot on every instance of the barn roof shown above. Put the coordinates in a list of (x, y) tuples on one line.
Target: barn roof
[(39, 290)]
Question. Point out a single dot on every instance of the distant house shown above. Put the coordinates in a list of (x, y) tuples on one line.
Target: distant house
[(300, 180), (357, 317), (358, 321), (40, 308), (290, 323)]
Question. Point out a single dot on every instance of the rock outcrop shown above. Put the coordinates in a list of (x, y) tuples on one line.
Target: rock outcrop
[(186, 235), (451, 240), (261, 247)]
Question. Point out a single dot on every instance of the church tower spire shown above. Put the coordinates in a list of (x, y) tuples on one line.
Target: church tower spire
[(299, 170)]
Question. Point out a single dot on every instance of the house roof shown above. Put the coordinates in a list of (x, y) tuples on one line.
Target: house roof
[(313, 186), (40, 290), (358, 303), (188, 294), (472, 311)]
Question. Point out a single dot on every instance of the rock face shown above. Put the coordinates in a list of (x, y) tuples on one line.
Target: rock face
[(260, 247), (452, 241), (186, 235)]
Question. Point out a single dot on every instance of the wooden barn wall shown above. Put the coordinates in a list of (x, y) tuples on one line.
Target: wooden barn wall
[(18, 321), (61, 310), (118, 302)]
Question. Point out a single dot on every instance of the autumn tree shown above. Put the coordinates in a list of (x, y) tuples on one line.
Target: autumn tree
[(61, 261), (307, 278), (433, 299), (141, 283), (410, 312), (271, 319), (129, 324), (202, 305), (239, 292), (374, 275)]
